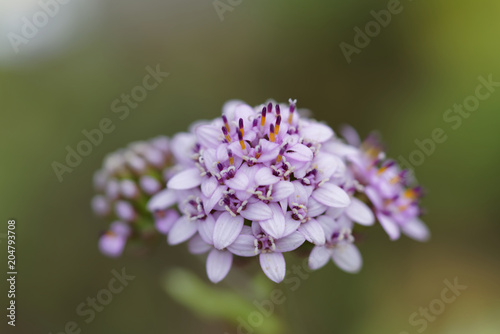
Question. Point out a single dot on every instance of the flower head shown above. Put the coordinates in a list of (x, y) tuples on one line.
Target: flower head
[(262, 167)]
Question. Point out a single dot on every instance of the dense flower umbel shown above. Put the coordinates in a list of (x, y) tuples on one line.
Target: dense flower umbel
[(124, 186), (258, 181)]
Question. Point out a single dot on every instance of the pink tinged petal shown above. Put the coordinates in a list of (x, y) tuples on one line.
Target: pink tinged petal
[(258, 211), (390, 226), (300, 194), (265, 177), (282, 190), (270, 151), (208, 186), (317, 132), (291, 225), (239, 181), (197, 246), (360, 212), (299, 152), (164, 223), (163, 200), (327, 164), (335, 212), (218, 264), (209, 135), (244, 245), (182, 147), (206, 229), (187, 179), (319, 257), (284, 204), (313, 232), (315, 208), (275, 226), (331, 195), (112, 245), (256, 229), (273, 265), (289, 243), (226, 230), (183, 229), (416, 229), (348, 258), (213, 200)]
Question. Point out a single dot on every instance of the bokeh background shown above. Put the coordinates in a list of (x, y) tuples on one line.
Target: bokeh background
[(427, 59)]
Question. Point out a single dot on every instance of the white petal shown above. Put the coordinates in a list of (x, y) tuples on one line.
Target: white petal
[(197, 246), (360, 212), (265, 177), (212, 201), (206, 229), (258, 211), (300, 194), (319, 257), (416, 229), (208, 186), (282, 190), (331, 195), (227, 228), (291, 225), (273, 265), (390, 226), (327, 164), (348, 258), (315, 208), (275, 226), (182, 230), (244, 245), (238, 182), (187, 179), (218, 264), (299, 152), (209, 135), (313, 232), (290, 242), (163, 200), (317, 132)]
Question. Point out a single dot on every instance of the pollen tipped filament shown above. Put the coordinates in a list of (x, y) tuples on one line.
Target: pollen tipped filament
[(277, 127), (271, 133), (263, 117), (240, 126), (230, 155), (226, 124), (226, 134), (240, 138)]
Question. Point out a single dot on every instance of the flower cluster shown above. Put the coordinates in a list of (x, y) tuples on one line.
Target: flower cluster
[(125, 184), (260, 182), (264, 181)]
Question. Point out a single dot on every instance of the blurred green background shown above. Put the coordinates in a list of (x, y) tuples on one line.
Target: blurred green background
[(427, 59)]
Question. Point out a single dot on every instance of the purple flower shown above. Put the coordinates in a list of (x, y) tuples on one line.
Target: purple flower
[(262, 167)]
